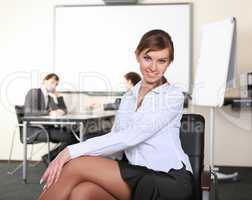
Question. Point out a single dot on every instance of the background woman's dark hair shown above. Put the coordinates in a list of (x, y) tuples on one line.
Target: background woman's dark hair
[(133, 77), (52, 75), (156, 40)]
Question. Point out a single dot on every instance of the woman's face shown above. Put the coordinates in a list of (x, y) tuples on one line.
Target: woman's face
[(153, 64), (127, 83)]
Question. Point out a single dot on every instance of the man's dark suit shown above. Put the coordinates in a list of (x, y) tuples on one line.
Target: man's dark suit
[(35, 103), (35, 106)]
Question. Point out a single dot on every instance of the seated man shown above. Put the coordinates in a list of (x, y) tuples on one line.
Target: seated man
[(46, 101)]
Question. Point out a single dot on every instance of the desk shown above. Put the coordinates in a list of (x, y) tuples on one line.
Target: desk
[(69, 119), (238, 99), (238, 102)]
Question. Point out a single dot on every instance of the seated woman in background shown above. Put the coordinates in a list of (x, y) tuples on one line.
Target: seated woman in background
[(146, 130), (131, 79)]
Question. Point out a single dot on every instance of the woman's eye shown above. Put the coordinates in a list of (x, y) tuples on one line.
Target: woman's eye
[(147, 58), (162, 61)]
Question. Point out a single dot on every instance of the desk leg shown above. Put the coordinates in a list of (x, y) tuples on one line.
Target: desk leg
[(81, 131), (24, 175)]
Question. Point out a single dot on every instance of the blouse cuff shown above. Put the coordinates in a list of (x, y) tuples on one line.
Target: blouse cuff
[(74, 150)]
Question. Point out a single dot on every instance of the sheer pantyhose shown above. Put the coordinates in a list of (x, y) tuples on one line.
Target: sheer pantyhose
[(89, 178)]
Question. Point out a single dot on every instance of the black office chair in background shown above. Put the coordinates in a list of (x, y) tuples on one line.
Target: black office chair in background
[(31, 139), (192, 134)]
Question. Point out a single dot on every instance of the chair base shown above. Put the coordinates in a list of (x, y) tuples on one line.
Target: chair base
[(225, 177)]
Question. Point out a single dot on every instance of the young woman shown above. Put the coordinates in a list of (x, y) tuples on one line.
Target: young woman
[(146, 131)]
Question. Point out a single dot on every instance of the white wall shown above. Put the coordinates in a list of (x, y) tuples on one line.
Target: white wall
[(26, 49), (26, 46)]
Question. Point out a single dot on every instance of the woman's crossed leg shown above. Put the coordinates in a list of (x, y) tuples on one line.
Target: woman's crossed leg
[(92, 177), (90, 191)]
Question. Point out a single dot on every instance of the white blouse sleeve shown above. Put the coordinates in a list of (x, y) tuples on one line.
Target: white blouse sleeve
[(145, 124)]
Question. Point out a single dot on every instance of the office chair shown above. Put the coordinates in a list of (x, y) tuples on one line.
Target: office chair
[(32, 139), (192, 140)]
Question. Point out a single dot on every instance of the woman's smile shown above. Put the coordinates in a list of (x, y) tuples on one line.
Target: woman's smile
[(151, 74)]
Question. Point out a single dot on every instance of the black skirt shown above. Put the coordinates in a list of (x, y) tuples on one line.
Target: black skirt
[(147, 184)]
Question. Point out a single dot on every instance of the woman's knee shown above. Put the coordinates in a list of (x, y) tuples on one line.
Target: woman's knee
[(84, 191), (73, 166), (81, 166)]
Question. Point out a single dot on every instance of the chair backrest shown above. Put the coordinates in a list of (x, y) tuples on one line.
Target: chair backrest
[(20, 114), (192, 133)]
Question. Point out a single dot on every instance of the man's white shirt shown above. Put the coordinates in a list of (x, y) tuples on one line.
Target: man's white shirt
[(46, 94)]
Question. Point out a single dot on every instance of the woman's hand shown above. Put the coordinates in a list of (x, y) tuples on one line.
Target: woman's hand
[(52, 173)]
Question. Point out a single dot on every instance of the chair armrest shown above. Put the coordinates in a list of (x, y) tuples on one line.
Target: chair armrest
[(206, 181), (43, 129), (36, 126)]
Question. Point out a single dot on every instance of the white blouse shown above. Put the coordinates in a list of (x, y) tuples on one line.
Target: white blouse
[(149, 136)]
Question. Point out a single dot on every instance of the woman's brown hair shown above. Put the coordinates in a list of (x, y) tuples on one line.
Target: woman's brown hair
[(156, 40), (133, 77)]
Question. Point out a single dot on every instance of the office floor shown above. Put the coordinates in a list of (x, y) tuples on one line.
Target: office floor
[(12, 187), (241, 190)]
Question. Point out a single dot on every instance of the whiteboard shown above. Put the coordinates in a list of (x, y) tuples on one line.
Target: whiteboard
[(94, 45), (216, 65)]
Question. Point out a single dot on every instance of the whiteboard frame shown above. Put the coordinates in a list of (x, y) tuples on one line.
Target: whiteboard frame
[(191, 39)]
